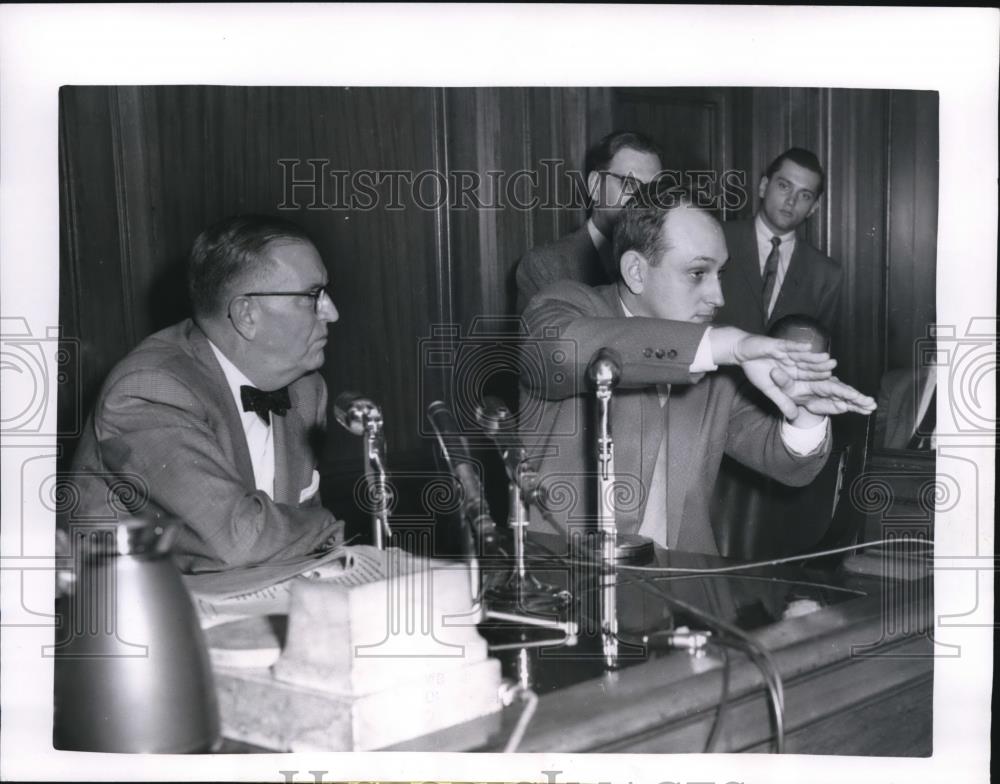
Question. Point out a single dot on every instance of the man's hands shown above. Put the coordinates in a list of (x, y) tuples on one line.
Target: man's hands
[(825, 397), (760, 357)]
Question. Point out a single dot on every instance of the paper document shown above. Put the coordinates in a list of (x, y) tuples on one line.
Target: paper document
[(220, 597)]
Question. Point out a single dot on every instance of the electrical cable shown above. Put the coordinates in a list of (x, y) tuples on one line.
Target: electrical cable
[(773, 562), (772, 681), (720, 713), (760, 578), (727, 633)]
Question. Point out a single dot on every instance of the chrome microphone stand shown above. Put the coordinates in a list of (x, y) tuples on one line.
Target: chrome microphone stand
[(519, 524), (605, 371), (362, 417), (519, 586), (375, 474), (524, 488)]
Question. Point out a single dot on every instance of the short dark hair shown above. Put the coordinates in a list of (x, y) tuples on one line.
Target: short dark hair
[(801, 328), (640, 225), (600, 155), (231, 250), (805, 159)]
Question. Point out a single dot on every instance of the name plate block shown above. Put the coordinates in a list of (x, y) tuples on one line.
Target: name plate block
[(382, 652)]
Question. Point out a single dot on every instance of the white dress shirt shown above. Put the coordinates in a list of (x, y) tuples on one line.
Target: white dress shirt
[(785, 251), (260, 440)]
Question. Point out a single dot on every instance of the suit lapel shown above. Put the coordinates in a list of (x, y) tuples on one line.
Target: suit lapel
[(649, 435), (231, 415), (292, 461), (285, 429), (686, 412)]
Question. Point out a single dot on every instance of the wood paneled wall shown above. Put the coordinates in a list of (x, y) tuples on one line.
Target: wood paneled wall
[(911, 253), (180, 158), (695, 128), (144, 169)]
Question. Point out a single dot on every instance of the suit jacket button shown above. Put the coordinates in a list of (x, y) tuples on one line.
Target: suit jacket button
[(672, 353), (659, 353), (647, 353)]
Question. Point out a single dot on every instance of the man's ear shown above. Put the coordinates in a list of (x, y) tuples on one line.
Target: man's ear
[(633, 267), (762, 188), (812, 210), (243, 315)]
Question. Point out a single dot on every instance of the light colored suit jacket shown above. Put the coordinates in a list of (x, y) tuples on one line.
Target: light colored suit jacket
[(166, 440), (572, 257), (811, 286), (569, 323)]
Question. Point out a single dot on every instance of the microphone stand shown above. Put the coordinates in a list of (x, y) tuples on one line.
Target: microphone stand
[(523, 489), (375, 474), (511, 594), (518, 520), (605, 377), (469, 534), (361, 417)]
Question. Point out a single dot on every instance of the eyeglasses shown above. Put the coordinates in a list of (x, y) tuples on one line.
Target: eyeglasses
[(316, 294), (661, 193), (629, 181)]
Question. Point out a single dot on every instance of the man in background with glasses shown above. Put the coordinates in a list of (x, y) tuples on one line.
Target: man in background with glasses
[(614, 168), (214, 421)]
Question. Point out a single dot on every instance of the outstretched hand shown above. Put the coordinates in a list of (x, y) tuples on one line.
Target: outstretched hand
[(798, 359), (823, 397), (761, 357)]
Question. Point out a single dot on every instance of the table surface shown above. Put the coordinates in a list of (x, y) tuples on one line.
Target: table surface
[(853, 651), (845, 644)]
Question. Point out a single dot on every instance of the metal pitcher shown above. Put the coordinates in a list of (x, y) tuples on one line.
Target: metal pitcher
[(132, 672)]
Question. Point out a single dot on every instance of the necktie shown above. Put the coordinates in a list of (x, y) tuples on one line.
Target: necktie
[(263, 402), (922, 433), (770, 274)]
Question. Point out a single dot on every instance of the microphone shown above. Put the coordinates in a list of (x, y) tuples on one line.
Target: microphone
[(498, 424), (446, 428), (352, 411), (605, 369), (459, 458)]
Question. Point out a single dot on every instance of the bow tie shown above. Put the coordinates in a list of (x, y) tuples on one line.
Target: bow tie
[(263, 402)]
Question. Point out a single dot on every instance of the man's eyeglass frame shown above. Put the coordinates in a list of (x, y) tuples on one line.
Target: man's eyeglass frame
[(630, 185), (628, 181), (316, 295)]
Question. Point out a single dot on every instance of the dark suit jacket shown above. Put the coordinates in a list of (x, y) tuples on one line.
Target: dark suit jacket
[(570, 322), (166, 424), (572, 257), (811, 286)]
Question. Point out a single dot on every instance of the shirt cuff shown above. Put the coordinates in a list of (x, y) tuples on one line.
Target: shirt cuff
[(703, 356), (804, 440)]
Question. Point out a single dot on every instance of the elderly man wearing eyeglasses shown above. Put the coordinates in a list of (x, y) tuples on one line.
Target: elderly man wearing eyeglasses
[(211, 422), (615, 166)]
